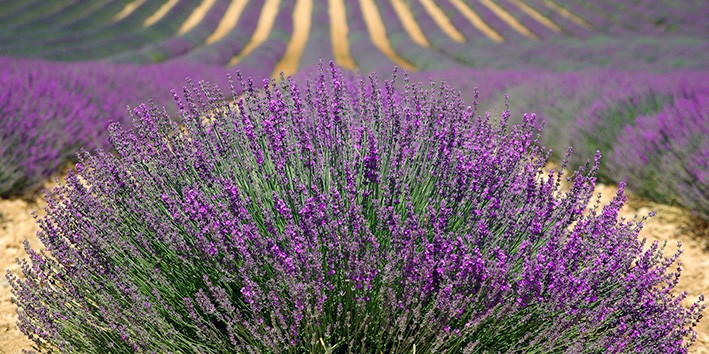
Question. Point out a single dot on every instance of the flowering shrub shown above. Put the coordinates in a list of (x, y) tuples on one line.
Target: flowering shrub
[(343, 216)]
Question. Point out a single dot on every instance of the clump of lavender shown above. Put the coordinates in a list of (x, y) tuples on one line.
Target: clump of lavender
[(39, 120), (342, 216)]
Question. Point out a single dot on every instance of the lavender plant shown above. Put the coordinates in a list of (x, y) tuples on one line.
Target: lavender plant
[(35, 135), (343, 216)]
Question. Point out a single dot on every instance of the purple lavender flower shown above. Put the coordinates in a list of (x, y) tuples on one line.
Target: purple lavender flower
[(340, 216)]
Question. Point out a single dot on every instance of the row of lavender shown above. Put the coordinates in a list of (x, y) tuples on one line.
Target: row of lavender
[(86, 30), (652, 128), (642, 15), (559, 49), (624, 34), (50, 110), (341, 216), (562, 50)]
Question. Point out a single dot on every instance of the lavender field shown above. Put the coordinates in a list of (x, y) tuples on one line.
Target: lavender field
[(341, 176)]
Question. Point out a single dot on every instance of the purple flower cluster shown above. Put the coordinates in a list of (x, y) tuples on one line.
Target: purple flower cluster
[(50, 110), (343, 215)]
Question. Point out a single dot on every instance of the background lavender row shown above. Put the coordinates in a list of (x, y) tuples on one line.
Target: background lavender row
[(88, 31), (220, 52), (49, 110), (599, 111), (51, 38), (664, 155), (178, 45), (262, 61)]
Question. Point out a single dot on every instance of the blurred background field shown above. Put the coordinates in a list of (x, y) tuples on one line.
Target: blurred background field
[(630, 78)]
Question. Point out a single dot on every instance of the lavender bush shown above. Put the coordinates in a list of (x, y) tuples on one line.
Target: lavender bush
[(344, 216)]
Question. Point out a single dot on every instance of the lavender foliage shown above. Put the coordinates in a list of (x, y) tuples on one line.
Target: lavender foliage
[(341, 216)]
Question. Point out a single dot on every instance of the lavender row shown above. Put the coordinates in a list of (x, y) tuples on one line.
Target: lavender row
[(98, 35), (661, 53), (15, 17), (601, 111), (652, 16), (50, 110), (340, 216), (664, 155), (590, 21), (536, 27), (222, 51), (320, 43), (86, 31), (424, 58), (364, 53), (262, 60), (492, 20), (129, 34), (71, 16), (176, 46)]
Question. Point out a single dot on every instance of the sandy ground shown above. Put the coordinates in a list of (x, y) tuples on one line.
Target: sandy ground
[(378, 36), (16, 225), (302, 16), (671, 224)]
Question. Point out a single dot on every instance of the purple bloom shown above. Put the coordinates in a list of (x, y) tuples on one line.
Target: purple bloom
[(352, 217)]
